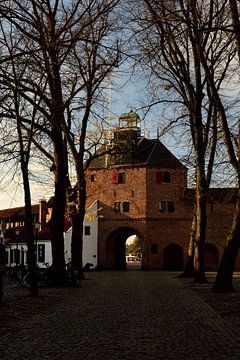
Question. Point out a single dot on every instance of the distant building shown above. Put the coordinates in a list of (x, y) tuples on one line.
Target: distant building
[(13, 235)]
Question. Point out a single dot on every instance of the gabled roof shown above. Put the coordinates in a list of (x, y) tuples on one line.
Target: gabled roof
[(145, 152), (17, 212), (154, 153)]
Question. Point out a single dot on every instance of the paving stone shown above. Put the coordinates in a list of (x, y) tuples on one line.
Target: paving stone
[(124, 315)]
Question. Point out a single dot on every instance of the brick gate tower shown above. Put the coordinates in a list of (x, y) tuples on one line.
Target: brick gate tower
[(141, 188)]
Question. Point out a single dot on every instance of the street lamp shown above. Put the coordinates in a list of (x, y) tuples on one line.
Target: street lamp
[(17, 232), (37, 226)]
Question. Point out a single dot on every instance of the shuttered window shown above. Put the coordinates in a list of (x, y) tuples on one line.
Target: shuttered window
[(159, 177), (163, 177), (115, 178), (118, 178)]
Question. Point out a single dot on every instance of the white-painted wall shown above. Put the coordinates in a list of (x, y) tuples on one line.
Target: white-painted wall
[(89, 241), (22, 247)]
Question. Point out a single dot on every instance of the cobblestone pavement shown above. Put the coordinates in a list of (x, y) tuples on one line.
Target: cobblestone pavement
[(124, 315)]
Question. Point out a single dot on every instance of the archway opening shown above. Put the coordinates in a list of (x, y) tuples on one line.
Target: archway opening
[(133, 253), (211, 257), (173, 258), (124, 250)]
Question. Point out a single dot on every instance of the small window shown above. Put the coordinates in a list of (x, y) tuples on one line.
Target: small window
[(93, 177), (162, 206), (121, 178), (41, 253), (170, 205), (154, 249), (159, 177), (166, 177), (87, 230), (117, 205), (163, 176), (126, 206)]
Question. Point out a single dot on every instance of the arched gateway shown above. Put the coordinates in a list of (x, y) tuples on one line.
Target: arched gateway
[(139, 184), (115, 247)]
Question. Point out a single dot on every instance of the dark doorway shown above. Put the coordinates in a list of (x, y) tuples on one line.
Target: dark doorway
[(116, 257), (173, 258), (211, 257)]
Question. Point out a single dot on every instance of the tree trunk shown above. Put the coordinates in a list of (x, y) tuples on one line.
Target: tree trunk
[(201, 223), (31, 255), (189, 266), (58, 213), (77, 228), (223, 282)]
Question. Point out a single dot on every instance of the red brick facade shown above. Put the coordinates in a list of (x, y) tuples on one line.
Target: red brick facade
[(156, 210)]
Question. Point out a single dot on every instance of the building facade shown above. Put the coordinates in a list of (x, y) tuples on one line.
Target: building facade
[(135, 186), (141, 188)]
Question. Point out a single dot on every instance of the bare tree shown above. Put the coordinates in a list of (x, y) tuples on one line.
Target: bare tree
[(169, 40), (72, 49), (225, 272), (15, 108), (93, 59)]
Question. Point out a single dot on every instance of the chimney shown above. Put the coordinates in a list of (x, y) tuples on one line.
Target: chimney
[(42, 213)]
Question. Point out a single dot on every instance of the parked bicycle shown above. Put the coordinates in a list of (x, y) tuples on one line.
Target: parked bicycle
[(45, 275), (72, 276), (19, 274)]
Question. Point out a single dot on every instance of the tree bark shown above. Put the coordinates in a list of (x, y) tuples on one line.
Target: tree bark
[(77, 225), (189, 266), (31, 255), (201, 219), (58, 213), (223, 282)]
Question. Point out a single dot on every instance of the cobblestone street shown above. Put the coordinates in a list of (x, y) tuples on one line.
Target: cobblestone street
[(122, 315)]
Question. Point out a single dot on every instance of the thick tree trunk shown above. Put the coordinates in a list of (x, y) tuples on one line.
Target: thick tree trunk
[(58, 214), (31, 255), (77, 228), (189, 266), (223, 282), (201, 223)]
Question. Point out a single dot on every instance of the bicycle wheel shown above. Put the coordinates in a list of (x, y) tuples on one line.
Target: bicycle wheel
[(25, 280)]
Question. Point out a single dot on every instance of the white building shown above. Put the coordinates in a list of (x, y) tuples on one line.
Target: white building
[(90, 236), (16, 247)]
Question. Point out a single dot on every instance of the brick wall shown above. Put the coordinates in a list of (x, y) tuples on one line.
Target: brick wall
[(156, 229)]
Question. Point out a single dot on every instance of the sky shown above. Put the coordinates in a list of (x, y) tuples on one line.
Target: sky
[(11, 188)]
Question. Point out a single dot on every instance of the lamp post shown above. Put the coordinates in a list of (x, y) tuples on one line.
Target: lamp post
[(37, 226), (17, 232)]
